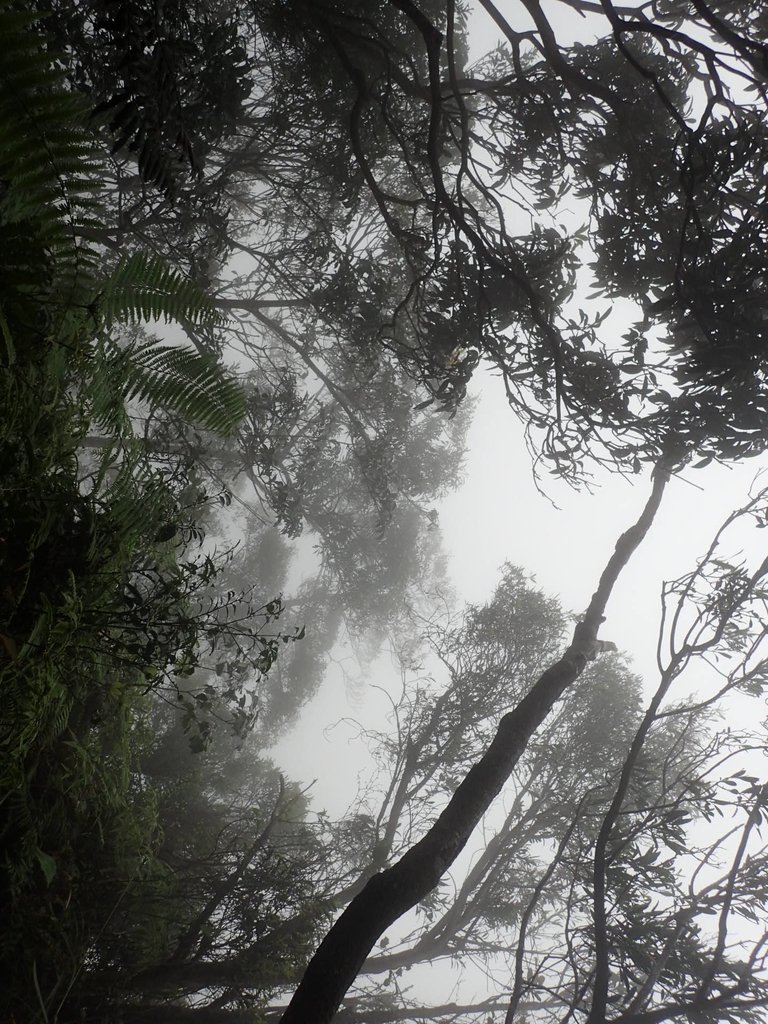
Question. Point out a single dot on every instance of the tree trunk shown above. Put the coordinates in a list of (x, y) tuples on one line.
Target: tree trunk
[(391, 893)]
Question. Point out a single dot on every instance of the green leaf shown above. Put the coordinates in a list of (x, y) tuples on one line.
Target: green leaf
[(47, 864)]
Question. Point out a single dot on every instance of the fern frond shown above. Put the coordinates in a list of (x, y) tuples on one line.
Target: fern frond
[(145, 288), (191, 383), (135, 497), (47, 166)]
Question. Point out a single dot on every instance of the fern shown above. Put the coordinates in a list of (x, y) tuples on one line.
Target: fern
[(179, 379), (51, 182), (189, 382), (145, 288), (136, 497), (52, 284)]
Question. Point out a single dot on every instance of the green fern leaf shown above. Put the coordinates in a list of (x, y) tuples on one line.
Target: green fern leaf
[(144, 288), (191, 383)]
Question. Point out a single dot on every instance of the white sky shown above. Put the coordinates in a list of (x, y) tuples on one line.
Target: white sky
[(499, 515)]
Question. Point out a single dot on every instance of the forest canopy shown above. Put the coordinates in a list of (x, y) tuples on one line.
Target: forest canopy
[(255, 257)]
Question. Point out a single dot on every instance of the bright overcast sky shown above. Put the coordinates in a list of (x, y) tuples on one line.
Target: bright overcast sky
[(499, 515)]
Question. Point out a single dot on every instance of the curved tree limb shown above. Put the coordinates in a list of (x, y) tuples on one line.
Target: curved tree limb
[(391, 893)]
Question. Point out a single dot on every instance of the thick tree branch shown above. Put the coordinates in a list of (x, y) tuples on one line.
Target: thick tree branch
[(717, 1007), (391, 893)]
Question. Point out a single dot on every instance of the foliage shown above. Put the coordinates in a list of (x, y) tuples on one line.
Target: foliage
[(237, 896), (467, 172), (308, 443), (635, 896), (168, 81), (98, 604), (379, 217), (439, 726)]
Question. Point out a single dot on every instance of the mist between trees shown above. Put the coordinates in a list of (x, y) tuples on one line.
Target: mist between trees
[(252, 256)]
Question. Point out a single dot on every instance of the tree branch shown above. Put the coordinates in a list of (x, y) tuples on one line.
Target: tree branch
[(391, 893)]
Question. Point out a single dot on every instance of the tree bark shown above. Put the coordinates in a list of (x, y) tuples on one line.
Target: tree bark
[(391, 893)]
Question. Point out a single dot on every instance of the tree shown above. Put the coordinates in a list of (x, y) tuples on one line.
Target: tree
[(236, 891), (100, 600), (389, 894), (654, 820), (583, 396), (671, 197), (305, 448), (443, 154), (360, 471), (441, 727), (438, 732), (634, 942), (363, 491)]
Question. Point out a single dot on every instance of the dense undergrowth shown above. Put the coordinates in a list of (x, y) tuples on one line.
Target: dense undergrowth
[(105, 591)]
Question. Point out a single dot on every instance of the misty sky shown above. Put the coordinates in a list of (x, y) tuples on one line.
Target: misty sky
[(563, 541)]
